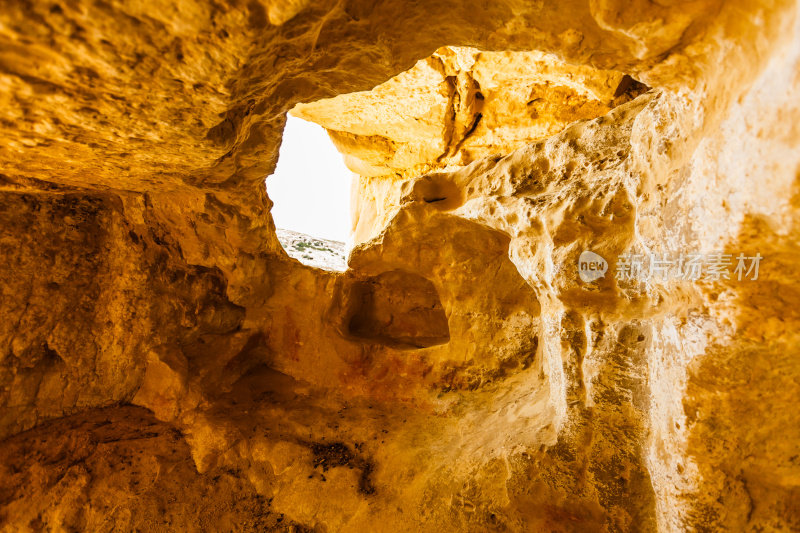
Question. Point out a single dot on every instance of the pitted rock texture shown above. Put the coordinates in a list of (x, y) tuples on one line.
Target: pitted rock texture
[(119, 469), (459, 375), (462, 104)]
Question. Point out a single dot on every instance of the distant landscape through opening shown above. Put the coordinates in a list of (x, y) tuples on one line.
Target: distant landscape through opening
[(310, 190)]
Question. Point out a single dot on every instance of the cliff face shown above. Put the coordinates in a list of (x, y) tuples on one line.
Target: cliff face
[(460, 375)]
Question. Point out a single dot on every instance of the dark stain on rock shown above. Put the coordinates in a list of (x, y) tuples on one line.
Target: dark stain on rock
[(338, 454)]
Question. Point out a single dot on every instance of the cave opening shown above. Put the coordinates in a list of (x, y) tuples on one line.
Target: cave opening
[(310, 190), (343, 160)]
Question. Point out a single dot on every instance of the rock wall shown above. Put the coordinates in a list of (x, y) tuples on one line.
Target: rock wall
[(460, 375)]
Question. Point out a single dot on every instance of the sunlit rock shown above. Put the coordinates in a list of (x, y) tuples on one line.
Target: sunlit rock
[(459, 374)]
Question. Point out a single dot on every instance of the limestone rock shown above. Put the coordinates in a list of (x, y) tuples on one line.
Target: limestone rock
[(459, 375), (121, 469), (462, 104)]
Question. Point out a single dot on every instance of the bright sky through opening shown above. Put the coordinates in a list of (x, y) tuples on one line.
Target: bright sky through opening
[(311, 185)]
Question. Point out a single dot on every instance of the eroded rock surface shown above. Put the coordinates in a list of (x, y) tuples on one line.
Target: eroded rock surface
[(459, 375), (460, 105)]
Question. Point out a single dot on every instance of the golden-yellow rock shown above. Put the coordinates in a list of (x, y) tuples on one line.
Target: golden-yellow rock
[(165, 382), (460, 105), (461, 375)]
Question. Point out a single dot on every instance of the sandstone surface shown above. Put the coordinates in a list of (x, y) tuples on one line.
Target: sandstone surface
[(165, 365)]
